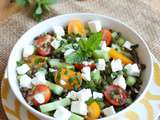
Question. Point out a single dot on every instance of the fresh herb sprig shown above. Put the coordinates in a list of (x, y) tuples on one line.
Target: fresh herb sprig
[(41, 6), (87, 47)]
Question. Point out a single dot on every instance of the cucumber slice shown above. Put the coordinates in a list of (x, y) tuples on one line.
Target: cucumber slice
[(75, 117), (95, 75), (57, 63), (121, 41), (55, 88), (54, 105), (130, 80), (101, 54)]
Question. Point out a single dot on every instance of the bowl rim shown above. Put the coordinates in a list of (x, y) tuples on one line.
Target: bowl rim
[(38, 113)]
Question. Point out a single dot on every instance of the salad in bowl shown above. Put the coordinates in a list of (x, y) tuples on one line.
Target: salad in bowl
[(83, 71)]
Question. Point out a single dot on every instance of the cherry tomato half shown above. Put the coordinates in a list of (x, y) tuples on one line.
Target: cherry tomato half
[(106, 36), (115, 95), (42, 89), (80, 66), (43, 45)]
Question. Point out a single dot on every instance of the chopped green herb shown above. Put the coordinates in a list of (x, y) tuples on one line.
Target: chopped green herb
[(71, 79), (38, 60), (19, 63)]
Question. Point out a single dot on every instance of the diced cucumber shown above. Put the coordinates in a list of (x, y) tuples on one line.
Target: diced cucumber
[(54, 105), (116, 47), (55, 88), (53, 62), (131, 80), (121, 41), (115, 36), (75, 117), (101, 54), (57, 63), (95, 75)]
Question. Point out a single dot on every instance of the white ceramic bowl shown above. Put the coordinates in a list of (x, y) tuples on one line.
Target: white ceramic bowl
[(46, 25)]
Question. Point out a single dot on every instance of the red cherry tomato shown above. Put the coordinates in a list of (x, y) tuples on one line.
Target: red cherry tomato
[(80, 66), (43, 45), (115, 95), (106, 36), (42, 89)]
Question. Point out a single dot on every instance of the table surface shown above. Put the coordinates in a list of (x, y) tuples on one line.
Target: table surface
[(7, 10)]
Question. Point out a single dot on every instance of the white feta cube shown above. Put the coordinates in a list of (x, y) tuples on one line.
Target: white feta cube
[(62, 113), (62, 82), (128, 45), (23, 69), (116, 65), (104, 46), (85, 63), (39, 97), (97, 95), (55, 43), (28, 50), (25, 81), (132, 69), (68, 52), (72, 95), (109, 111), (39, 78), (58, 30), (101, 64), (86, 73), (95, 26), (120, 81), (84, 94), (79, 107)]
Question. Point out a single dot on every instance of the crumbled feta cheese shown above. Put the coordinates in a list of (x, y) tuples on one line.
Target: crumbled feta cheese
[(84, 94), (95, 26), (68, 52), (62, 82), (116, 65), (85, 63), (79, 107), (86, 73), (128, 45), (104, 46), (23, 69), (39, 97), (72, 95), (58, 30), (55, 43), (78, 38), (101, 64), (52, 70), (132, 69), (120, 81), (39, 78), (97, 95), (28, 50), (109, 111), (62, 113), (25, 81)]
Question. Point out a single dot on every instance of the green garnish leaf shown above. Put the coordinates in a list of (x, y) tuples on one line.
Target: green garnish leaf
[(86, 50), (76, 57), (91, 44)]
